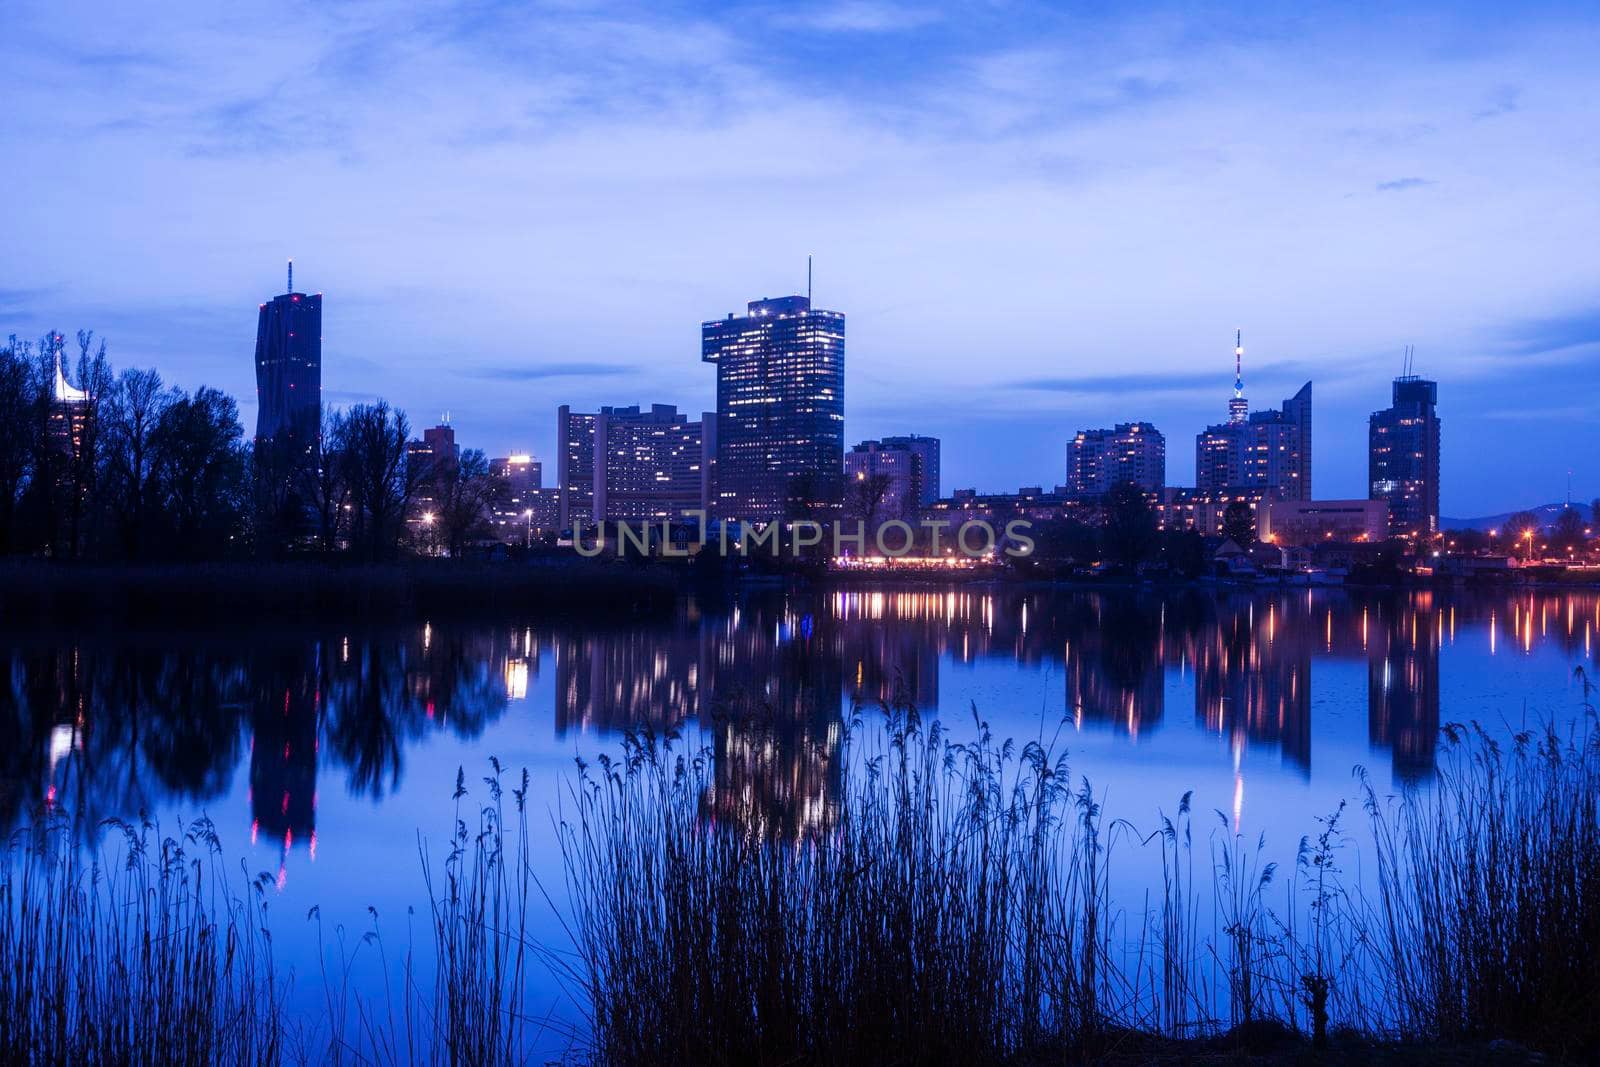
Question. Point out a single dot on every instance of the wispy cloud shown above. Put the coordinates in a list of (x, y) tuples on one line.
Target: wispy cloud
[(540, 371), (1555, 333), (1503, 100), (865, 16), (1400, 185), (18, 303), (1108, 384)]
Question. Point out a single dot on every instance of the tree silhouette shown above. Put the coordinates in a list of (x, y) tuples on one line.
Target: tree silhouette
[(1239, 524)]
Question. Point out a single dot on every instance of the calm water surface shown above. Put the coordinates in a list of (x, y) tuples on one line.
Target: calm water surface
[(320, 753)]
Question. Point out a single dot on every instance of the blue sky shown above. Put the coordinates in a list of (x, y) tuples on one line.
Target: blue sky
[(1037, 217)]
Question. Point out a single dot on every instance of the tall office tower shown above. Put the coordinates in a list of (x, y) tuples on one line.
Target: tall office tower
[(575, 467), (436, 451), (1131, 452), (926, 449), (289, 368), (648, 464), (780, 410), (882, 483), (1403, 457), (429, 459), (1268, 450)]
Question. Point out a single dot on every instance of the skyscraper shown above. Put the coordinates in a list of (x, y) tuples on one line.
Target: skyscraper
[(926, 449), (1403, 457), (780, 410), (1267, 450), (289, 368), (1132, 452), (627, 463)]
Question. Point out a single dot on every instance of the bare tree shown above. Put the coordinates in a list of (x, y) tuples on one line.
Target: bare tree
[(1567, 531), (17, 403), (133, 410), (94, 379), (201, 468), (864, 497), (327, 490), (1239, 524), (461, 492), (380, 481)]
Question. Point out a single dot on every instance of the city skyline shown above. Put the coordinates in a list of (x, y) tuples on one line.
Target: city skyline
[(1031, 221)]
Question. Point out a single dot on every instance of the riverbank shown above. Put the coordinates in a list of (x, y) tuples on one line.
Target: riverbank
[(951, 906)]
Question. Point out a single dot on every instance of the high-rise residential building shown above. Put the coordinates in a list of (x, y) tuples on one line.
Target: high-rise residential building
[(883, 482), (629, 463), (780, 410), (575, 467), (1131, 452), (926, 449), (1403, 457), (289, 369), (1267, 450), (648, 464)]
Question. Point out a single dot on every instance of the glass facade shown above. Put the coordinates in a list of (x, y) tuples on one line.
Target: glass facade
[(1403, 457), (289, 369), (780, 410)]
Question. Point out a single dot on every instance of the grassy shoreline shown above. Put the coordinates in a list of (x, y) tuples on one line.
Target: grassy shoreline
[(953, 904)]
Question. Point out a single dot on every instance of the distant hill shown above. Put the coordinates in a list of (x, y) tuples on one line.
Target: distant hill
[(1547, 514)]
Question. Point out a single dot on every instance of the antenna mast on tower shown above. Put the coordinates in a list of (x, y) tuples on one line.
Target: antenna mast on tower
[(1238, 407), (291, 276), (808, 279)]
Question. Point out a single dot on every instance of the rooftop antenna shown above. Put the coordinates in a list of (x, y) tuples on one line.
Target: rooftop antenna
[(1238, 364), (1238, 407), (808, 278), (291, 276)]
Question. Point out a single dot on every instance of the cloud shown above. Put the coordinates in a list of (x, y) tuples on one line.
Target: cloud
[(539, 372), (1502, 101), (18, 303), (1400, 185), (1098, 385), (863, 16), (1555, 333)]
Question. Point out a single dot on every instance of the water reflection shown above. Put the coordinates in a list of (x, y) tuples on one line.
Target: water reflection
[(104, 725)]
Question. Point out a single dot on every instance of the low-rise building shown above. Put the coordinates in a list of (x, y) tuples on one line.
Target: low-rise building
[(1205, 509), (1308, 522)]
